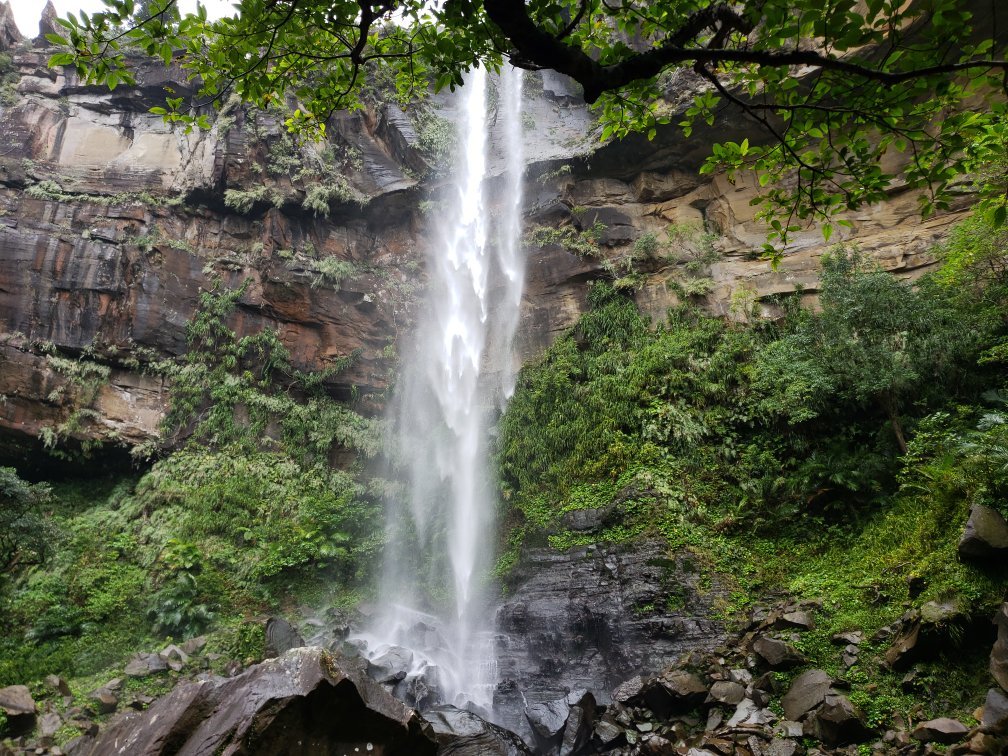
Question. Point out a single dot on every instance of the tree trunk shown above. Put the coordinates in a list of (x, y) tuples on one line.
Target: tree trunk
[(894, 421)]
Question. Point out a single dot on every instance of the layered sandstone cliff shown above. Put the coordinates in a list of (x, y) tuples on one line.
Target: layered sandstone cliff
[(112, 223)]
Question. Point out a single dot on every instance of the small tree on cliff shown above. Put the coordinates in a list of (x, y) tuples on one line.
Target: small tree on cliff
[(877, 342), (829, 86)]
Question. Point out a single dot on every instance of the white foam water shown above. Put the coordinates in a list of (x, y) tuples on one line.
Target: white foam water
[(461, 372)]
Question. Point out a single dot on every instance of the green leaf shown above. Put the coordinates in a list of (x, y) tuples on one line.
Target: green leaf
[(61, 59)]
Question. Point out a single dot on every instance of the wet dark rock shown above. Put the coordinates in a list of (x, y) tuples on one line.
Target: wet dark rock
[(941, 730), (999, 654), (807, 691), (303, 691), (281, 636), (547, 720), (142, 665), (986, 534), (461, 733), (776, 653), (629, 691), (607, 732), (391, 666), (838, 722), (578, 729), (568, 622), (995, 710), (420, 691)]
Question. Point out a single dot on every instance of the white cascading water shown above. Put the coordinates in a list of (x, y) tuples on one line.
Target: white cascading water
[(439, 544)]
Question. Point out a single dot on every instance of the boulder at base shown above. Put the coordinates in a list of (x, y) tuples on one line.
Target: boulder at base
[(462, 733), (985, 536), (303, 702)]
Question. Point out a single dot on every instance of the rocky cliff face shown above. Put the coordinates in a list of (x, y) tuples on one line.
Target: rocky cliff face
[(112, 223)]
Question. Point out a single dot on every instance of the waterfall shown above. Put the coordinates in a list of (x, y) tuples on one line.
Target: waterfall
[(456, 374)]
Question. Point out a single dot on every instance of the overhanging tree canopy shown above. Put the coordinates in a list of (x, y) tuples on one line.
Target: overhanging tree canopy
[(830, 85)]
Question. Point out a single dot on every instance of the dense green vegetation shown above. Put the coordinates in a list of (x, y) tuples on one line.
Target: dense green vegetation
[(833, 454), (242, 514)]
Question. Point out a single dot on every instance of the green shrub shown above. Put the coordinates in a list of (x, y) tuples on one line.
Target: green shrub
[(27, 535)]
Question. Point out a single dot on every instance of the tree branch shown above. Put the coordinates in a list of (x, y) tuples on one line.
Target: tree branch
[(536, 48)]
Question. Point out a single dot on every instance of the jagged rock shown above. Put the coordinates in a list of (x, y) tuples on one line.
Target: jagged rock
[(391, 666), (922, 634), (852, 637), (687, 689), (727, 692), (941, 730), (986, 743), (807, 691), (714, 719), (566, 624), (461, 733), (776, 653), (628, 690), (789, 729), (107, 700), (16, 701), (174, 653), (142, 665), (607, 732), (578, 730), (999, 654), (741, 676), (986, 534), (49, 723), (194, 645), (781, 747), (19, 706), (47, 23), (547, 720), (281, 636), (995, 710), (58, 684), (10, 35), (797, 619), (838, 722), (303, 691), (748, 712), (421, 690), (676, 691)]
